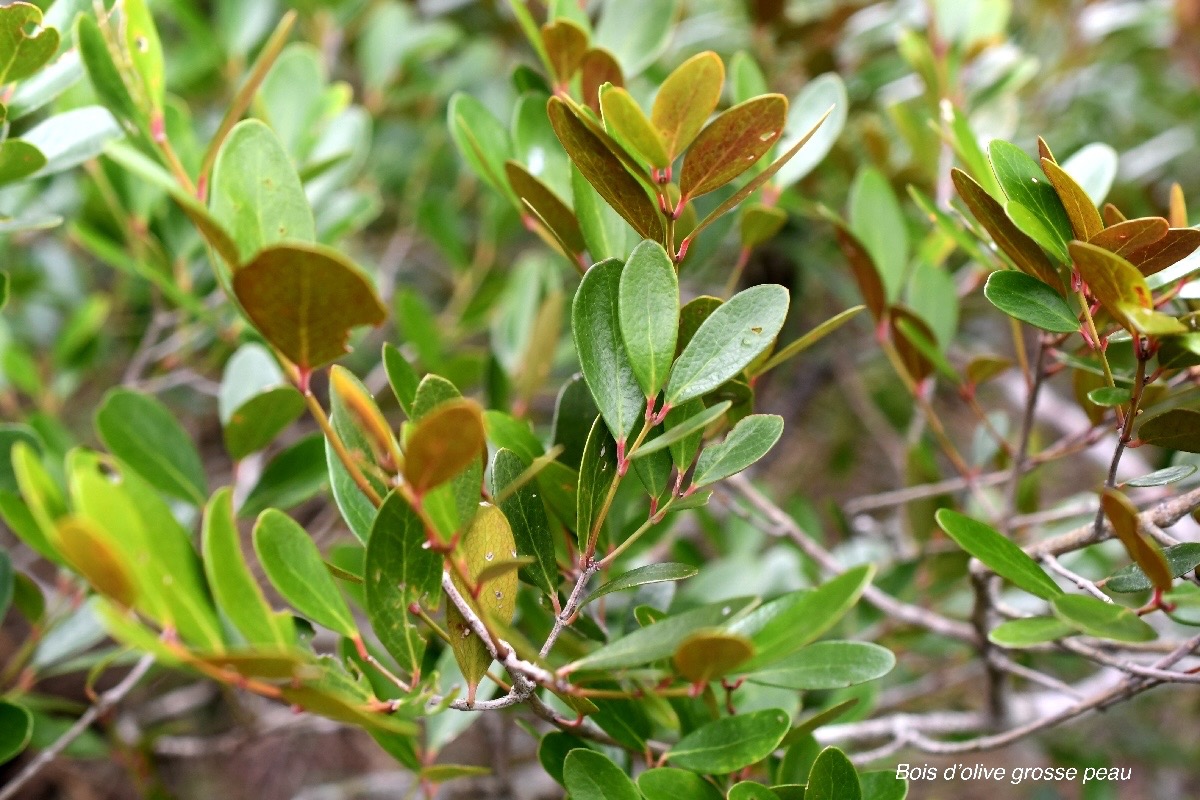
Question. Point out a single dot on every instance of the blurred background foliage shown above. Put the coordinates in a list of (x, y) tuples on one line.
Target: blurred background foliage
[(359, 98)]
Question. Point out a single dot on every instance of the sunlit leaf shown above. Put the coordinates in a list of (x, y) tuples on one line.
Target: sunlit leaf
[(731, 144), (685, 100)]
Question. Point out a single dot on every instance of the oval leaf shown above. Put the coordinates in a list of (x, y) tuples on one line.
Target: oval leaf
[(731, 144), (998, 553), (140, 431), (648, 311), (296, 570), (749, 441), (686, 99), (444, 443), (731, 743), (1025, 298)]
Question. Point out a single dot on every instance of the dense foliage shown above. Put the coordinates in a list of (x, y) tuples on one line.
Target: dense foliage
[(412, 367)]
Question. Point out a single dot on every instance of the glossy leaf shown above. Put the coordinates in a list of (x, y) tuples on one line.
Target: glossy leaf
[(727, 341), (671, 783), (833, 777), (998, 553), (1178, 244), (1122, 290), (751, 439), (399, 571), (1131, 235), (236, 592), (16, 727), (1104, 620), (648, 312), (685, 100), (1123, 515), (305, 300), (1026, 185), (1180, 560), (527, 516), (141, 432), (597, 471), (731, 144), (1025, 298), (1163, 477), (659, 641), (443, 444), (625, 122), (256, 193), (749, 790), (1109, 396), (605, 171), (596, 326), (1081, 210), (686, 427), (296, 570), (731, 743), (589, 775), (1029, 631), (827, 665)]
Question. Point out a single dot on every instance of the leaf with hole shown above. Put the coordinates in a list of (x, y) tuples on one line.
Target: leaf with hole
[(25, 45)]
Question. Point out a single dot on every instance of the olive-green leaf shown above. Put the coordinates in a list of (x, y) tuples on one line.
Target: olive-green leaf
[(1177, 429), (750, 440), (651, 573), (727, 341), (16, 728), (707, 655), (140, 431), (19, 159), (685, 100), (1163, 477), (1122, 290), (539, 200), (1081, 211), (398, 572), (1025, 298), (648, 311), (596, 326), (1029, 631), (731, 144), (827, 665), (295, 568), (671, 783), (233, 586), (626, 122), (443, 443), (597, 471), (589, 775), (527, 516), (597, 162), (305, 299), (145, 51), (833, 777), (24, 44), (998, 553), (256, 193), (693, 424), (1132, 235), (731, 743), (255, 403), (659, 640), (1095, 617), (1181, 559), (781, 627)]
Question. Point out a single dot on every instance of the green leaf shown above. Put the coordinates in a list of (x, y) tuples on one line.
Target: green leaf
[(292, 476), (597, 471), (685, 100), (604, 231), (1163, 477), (671, 783), (16, 723), (648, 312), (1025, 298), (24, 44), (19, 159), (651, 573), (1029, 631), (145, 51), (877, 220), (827, 665), (751, 439), (527, 515), (6, 582), (1181, 559), (749, 790), (400, 570), (781, 627), (727, 341), (589, 775), (731, 743), (256, 193), (805, 110), (1023, 251), (1110, 396), (1122, 290), (87, 548), (295, 568), (401, 376), (305, 299), (540, 203), (233, 586), (625, 122), (659, 641), (998, 553), (1177, 429), (255, 403), (833, 777), (482, 141), (68, 139), (694, 424), (731, 144), (1027, 186), (882, 785), (636, 31), (141, 432), (596, 326), (809, 339), (1104, 620), (103, 74)]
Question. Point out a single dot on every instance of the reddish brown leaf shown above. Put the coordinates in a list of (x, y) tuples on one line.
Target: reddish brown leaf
[(686, 99), (598, 68), (443, 443), (559, 220), (565, 44), (1178, 244), (1131, 235), (870, 285), (1112, 215), (732, 143), (1124, 518)]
